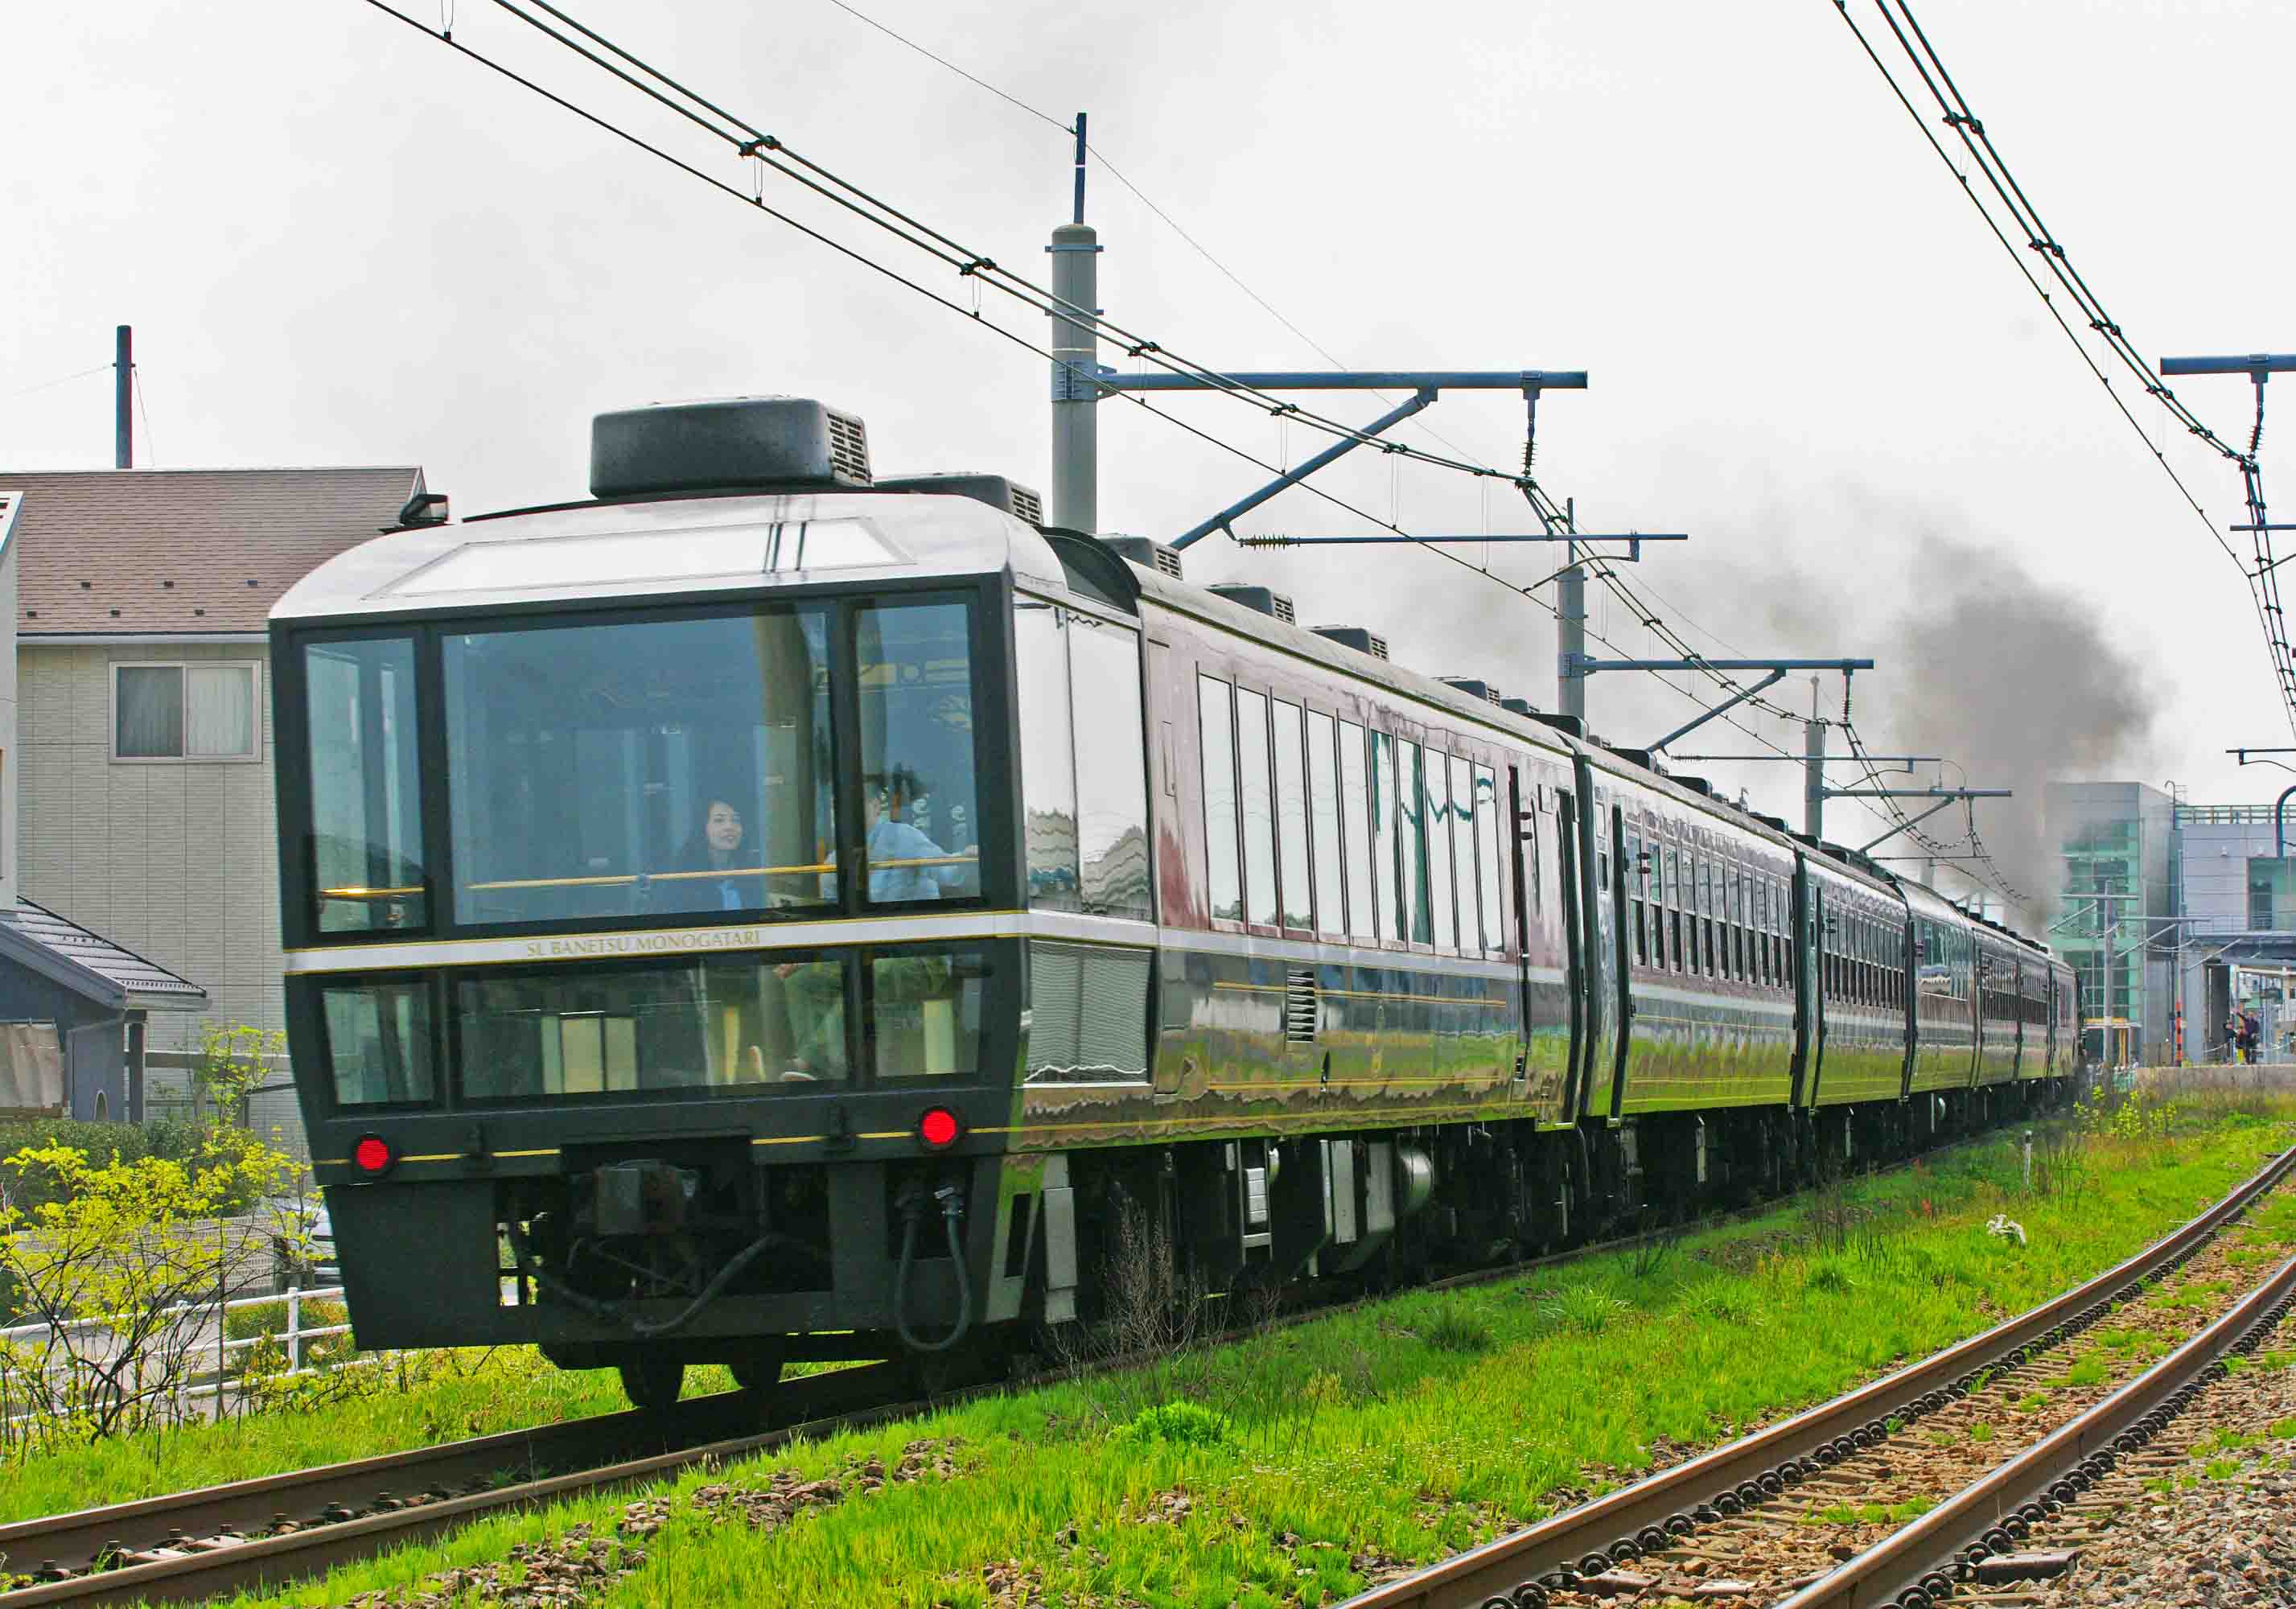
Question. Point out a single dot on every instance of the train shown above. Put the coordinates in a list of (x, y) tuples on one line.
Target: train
[(762, 912)]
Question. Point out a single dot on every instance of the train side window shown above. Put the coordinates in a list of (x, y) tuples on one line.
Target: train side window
[(1636, 903), (1675, 941), (1411, 827), (1292, 817), (1464, 803), (1436, 791), (1384, 838), (1357, 812), (1259, 816), (1222, 866), (1324, 818), (1112, 775), (1487, 842)]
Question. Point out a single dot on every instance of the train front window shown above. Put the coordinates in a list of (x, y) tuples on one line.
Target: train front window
[(645, 768), (744, 1024), (366, 814), (918, 795)]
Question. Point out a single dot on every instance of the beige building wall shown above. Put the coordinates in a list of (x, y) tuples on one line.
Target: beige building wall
[(176, 860)]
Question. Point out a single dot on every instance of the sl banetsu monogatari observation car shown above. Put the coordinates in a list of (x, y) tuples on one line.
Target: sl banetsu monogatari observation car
[(763, 913)]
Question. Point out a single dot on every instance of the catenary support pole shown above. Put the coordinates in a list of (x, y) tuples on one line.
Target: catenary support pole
[(1570, 599), (1076, 359), (1813, 786), (123, 399)]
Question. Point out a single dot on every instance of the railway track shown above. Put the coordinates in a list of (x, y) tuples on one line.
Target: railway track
[(1730, 1509), (189, 1546)]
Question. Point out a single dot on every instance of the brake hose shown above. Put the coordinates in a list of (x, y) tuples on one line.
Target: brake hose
[(952, 1213), (614, 1312)]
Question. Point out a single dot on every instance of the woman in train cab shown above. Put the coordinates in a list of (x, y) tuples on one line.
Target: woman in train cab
[(718, 868)]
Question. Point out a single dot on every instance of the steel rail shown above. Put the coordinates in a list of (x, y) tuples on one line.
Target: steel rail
[(1518, 1571), (844, 1398), (1917, 1565), (239, 1508)]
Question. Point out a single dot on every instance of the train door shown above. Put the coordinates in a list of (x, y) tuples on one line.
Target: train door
[(1566, 841), (1822, 920), (1524, 856), (1598, 875), (1622, 996), (1804, 992)]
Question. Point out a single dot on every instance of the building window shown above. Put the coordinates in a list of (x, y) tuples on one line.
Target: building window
[(195, 712)]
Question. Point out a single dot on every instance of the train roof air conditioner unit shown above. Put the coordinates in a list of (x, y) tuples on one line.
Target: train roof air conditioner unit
[(1146, 553), (1021, 502), (1473, 687), (1357, 638), (1265, 599), (733, 444)]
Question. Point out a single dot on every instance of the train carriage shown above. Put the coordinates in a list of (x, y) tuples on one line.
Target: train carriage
[(761, 912)]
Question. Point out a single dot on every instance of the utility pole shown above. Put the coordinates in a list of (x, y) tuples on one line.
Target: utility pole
[(1076, 361), (1813, 782), (1570, 596), (123, 399)]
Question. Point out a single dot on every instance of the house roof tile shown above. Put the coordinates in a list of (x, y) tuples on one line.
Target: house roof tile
[(176, 551), (91, 963)]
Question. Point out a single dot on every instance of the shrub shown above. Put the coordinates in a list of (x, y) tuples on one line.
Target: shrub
[(1190, 1424), (202, 1149), (270, 1318), (1582, 1307), (1451, 1330), (137, 1246)]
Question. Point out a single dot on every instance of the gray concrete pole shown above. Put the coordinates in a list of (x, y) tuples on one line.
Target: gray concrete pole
[(1571, 618), (1813, 786), (123, 394), (1076, 355)]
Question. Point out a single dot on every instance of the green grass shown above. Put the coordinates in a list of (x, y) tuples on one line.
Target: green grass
[(2087, 1371), (1360, 1437), (1870, 1514), (1980, 1432)]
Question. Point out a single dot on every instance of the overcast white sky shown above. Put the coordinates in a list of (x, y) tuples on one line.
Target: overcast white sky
[(339, 242)]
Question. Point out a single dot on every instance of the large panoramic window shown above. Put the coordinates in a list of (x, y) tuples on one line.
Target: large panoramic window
[(659, 767), (366, 809), (720, 1023)]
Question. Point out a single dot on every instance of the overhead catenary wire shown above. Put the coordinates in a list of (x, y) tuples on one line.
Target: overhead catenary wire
[(767, 150), (607, 126), (778, 155), (2012, 199), (59, 379), (1143, 198)]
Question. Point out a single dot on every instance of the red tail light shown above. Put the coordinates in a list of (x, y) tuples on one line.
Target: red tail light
[(939, 1127), (372, 1156)]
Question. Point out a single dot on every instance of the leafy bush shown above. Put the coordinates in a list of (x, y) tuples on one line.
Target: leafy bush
[(1190, 1424), (137, 1247), (270, 1318), (204, 1150)]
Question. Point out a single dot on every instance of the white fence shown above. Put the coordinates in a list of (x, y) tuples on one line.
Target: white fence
[(293, 1339)]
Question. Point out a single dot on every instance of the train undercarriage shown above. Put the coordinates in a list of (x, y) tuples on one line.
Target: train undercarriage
[(694, 1254)]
